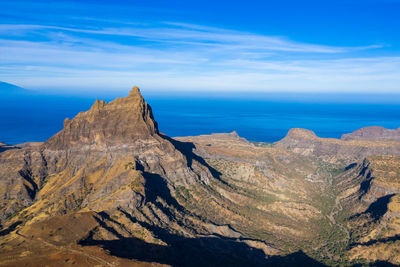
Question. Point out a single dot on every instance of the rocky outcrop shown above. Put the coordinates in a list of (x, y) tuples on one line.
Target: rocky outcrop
[(373, 133), (120, 122), (306, 142)]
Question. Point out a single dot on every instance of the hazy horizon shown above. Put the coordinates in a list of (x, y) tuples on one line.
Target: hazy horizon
[(290, 96)]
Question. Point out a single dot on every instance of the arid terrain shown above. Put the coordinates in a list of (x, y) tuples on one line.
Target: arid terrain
[(111, 190)]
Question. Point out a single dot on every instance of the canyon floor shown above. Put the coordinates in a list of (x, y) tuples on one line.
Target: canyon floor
[(111, 190)]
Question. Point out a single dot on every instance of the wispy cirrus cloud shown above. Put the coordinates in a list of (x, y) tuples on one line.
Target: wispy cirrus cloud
[(184, 56), (182, 33)]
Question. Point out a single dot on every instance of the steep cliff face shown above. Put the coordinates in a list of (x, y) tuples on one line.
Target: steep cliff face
[(370, 196), (120, 122)]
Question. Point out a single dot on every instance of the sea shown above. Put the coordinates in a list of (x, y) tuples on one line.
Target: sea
[(261, 118)]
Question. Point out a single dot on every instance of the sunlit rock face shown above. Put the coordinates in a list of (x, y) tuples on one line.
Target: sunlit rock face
[(122, 121)]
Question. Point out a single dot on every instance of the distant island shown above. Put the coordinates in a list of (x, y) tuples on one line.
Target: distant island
[(8, 88)]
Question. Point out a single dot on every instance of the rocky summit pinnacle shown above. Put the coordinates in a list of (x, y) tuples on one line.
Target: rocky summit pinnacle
[(135, 91), (123, 120)]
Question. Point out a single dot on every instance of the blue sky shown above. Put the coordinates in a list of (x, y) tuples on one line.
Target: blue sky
[(223, 46)]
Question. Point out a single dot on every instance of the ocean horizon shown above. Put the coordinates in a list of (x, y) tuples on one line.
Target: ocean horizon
[(268, 118)]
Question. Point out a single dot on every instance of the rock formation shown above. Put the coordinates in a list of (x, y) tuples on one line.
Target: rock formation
[(374, 133), (348, 149), (122, 121)]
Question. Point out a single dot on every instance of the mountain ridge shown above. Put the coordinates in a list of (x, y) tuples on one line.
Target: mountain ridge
[(111, 189)]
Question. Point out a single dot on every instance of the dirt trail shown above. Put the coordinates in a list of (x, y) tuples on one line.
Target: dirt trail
[(335, 210)]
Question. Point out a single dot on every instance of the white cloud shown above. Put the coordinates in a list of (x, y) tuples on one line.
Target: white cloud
[(178, 56), (181, 33)]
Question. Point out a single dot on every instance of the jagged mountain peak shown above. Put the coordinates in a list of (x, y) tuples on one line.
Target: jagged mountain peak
[(135, 91), (120, 121)]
